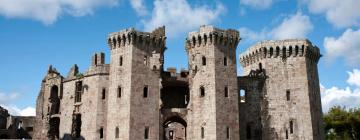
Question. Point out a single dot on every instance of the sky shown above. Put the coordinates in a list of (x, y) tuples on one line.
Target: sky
[(38, 33)]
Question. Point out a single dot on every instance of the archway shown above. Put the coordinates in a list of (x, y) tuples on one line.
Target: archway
[(54, 100), (175, 128)]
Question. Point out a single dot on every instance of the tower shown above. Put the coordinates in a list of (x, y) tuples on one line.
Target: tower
[(213, 85), (290, 98), (134, 88)]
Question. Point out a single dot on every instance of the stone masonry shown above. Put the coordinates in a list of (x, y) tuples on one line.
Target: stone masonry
[(135, 98)]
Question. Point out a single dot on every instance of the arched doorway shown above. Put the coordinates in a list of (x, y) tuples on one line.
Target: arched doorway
[(54, 100), (175, 128)]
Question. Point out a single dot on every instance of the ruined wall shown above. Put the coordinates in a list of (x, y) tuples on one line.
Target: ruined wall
[(251, 106), (91, 107), (48, 105), (293, 106), (136, 63), (212, 64)]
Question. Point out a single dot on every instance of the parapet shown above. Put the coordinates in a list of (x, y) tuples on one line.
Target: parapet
[(128, 36), (98, 59), (211, 35), (280, 49)]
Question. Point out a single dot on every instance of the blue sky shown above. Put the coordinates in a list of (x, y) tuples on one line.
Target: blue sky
[(35, 34)]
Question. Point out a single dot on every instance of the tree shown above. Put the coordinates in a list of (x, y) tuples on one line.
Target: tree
[(342, 124)]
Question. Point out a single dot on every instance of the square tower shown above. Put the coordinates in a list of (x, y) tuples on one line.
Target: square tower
[(134, 90), (213, 102)]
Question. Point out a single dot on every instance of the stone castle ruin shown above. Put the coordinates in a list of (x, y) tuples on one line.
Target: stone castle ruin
[(135, 98)]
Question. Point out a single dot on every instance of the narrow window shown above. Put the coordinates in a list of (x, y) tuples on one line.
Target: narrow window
[(121, 61), (145, 60), (226, 90), (286, 134), (202, 91), (288, 95), (248, 131), (95, 59), (103, 93), (171, 134), (146, 135), (101, 131), (291, 127), (117, 132), (227, 132), (242, 96), (203, 60), (202, 133), (260, 67), (225, 61), (78, 91), (119, 92), (145, 92)]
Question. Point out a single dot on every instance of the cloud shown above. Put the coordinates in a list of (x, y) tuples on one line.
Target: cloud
[(341, 13), (335, 96), (257, 4), (293, 26), (139, 7), (6, 100), (179, 17), (48, 11), (346, 46)]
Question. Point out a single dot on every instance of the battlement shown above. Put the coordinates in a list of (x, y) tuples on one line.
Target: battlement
[(280, 49), (131, 36), (211, 35)]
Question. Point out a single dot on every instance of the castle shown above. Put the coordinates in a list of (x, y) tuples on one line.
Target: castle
[(134, 98)]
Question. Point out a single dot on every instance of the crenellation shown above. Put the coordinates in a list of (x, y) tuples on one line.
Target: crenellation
[(133, 97)]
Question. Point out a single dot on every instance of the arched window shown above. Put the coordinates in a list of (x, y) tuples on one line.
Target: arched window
[(117, 132), (202, 133), (284, 52), (226, 90), (121, 61), (271, 52), (291, 127), (225, 61), (202, 91), (145, 92), (203, 60), (103, 93), (290, 51), (119, 92)]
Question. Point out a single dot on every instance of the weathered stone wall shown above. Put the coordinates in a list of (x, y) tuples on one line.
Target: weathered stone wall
[(214, 113), (136, 63), (288, 91), (92, 107)]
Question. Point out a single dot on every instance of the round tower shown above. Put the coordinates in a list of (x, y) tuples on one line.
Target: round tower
[(291, 95), (134, 90), (213, 106)]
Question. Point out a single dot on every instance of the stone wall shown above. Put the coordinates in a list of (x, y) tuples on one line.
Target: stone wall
[(289, 93), (212, 64)]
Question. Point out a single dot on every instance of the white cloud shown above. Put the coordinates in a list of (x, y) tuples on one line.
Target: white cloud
[(7, 100), (294, 26), (179, 17), (347, 97), (257, 4), (341, 13), (139, 7), (48, 11), (346, 46)]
